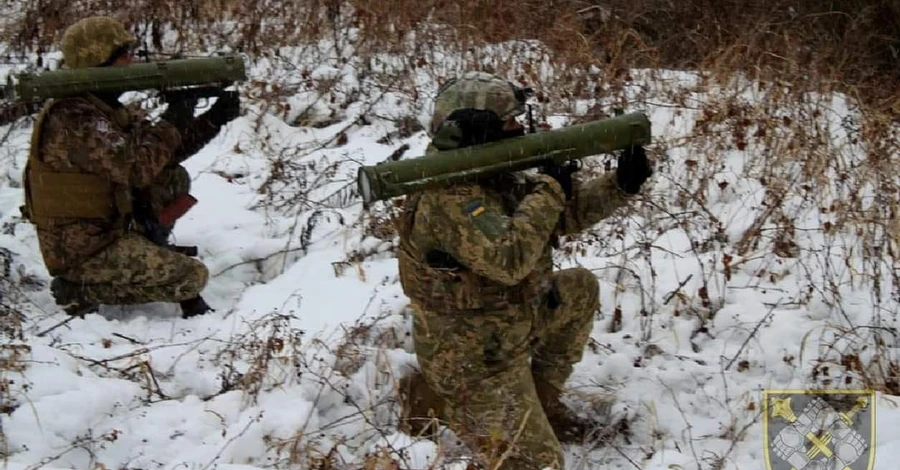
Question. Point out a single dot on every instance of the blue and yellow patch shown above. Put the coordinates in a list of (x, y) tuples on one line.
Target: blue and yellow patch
[(474, 209), (486, 220)]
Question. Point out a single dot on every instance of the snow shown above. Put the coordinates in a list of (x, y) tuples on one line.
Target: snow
[(299, 361)]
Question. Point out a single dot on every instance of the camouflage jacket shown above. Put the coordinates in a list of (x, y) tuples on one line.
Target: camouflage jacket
[(500, 232), (88, 136)]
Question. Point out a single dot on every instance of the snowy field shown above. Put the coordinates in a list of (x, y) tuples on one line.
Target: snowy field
[(299, 362)]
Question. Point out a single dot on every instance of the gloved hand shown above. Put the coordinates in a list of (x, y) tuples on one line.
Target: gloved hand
[(226, 108), (180, 111), (200, 130), (542, 182), (563, 175), (633, 169)]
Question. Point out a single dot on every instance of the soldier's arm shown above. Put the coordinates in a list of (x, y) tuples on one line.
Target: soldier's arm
[(93, 143), (476, 232), (593, 201)]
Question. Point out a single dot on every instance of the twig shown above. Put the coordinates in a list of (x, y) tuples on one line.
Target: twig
[(228, 443), (155, 382), (753, 333), (48, 330), (76, 444), (668, 297), (626, 457), (740, 434), (508, 451), (257, 260), (687, 423), (126, 338), (136, 352)]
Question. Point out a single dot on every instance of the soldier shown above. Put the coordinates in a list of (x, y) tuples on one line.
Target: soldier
[(104, 186), (496, 331)]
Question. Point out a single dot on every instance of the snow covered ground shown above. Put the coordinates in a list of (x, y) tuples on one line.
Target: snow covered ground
[(299, 362)]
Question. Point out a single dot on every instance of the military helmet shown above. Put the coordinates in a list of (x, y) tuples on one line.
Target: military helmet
[(477, 90), (92, 41)]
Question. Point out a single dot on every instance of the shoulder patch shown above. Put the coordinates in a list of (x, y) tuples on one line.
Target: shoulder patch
[(488, 222), (474, 208)]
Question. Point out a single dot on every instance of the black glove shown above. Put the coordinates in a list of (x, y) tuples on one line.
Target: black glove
[(633, 169), (180, 110), (226, 108), (563, 175), (200, 130)]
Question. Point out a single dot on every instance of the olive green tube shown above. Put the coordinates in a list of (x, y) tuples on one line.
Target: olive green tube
[(162, 75), (446, 168)]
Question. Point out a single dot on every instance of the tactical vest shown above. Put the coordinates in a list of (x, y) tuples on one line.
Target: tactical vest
[(458, 289), (52, 196)]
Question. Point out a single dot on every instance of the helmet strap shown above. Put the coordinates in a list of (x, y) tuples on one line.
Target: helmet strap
[(118, 52)]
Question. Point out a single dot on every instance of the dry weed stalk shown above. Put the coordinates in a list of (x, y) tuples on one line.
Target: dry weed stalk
[(262, 358), (764, 71)]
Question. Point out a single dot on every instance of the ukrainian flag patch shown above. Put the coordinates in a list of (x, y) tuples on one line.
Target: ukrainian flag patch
[(486, 220), (474, 208)]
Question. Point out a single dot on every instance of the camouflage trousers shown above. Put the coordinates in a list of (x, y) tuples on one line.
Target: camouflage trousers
[(484, 366), (134, 270)]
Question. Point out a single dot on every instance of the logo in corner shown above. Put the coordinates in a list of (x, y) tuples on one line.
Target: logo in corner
[(819, 429)]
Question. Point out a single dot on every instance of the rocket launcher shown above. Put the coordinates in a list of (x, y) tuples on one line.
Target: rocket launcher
[(179, 78), (555, 147)]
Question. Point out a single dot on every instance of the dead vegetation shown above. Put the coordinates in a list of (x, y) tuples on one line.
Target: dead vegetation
[(764, 74)]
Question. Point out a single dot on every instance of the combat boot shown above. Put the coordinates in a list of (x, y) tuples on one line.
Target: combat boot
[(193, 307), (68, 296), (568, 427), (422, 407)]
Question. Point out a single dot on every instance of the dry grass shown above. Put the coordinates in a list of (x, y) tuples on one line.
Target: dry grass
[(764, 74)]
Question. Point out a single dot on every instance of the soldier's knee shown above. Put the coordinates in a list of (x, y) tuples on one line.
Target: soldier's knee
[(195, 278), (182, 180), (174, 179), (200, 274)]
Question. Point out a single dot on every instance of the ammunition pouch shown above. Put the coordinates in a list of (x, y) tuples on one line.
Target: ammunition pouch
[(450, 287), (53, 195)]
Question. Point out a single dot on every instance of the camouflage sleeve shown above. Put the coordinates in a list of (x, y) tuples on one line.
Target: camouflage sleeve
[(93, 143), (593, 201), (475, 231)]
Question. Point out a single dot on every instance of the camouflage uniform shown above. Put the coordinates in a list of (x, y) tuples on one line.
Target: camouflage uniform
[(492, 319), (97, 171)]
